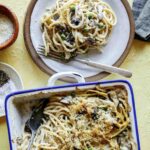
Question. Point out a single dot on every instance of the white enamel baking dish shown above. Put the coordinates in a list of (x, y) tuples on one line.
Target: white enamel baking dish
[(18, 105)]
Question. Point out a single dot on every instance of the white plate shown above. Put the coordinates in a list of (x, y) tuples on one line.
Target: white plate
[(112, 52), (15, 78)]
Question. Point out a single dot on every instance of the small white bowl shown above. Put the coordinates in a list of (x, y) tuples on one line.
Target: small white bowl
[(16, 79)]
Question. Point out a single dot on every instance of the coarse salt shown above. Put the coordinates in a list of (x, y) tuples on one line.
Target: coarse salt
[(6, 28), (6, 89)]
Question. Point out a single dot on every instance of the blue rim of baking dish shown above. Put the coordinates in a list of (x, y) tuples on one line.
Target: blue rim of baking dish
[(75, 85)]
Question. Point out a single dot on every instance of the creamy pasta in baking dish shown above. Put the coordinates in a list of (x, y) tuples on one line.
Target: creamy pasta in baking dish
[(93, 119)]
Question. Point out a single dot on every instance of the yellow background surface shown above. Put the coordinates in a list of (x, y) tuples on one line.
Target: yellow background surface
[(138, 61)]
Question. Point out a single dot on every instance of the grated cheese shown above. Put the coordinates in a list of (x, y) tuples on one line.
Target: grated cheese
[(6, 28)]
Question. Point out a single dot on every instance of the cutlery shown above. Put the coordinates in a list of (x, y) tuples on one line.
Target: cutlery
[(107, 68), (35, 120)]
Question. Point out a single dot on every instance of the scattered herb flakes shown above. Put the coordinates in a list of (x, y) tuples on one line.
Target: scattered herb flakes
[(101, 26), (90, 16), (85, 29), (63, 37), (73, 7), (3, 78)]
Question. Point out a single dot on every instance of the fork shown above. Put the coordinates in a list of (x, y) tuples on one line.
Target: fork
[(107, 68)]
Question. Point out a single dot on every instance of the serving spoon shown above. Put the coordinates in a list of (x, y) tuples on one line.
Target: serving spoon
[(35, 120)]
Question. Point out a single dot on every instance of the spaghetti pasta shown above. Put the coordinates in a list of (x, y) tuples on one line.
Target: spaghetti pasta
[(95, 119), (74, 27)]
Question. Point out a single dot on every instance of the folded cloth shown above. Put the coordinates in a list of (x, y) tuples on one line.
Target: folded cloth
[(141, 12)]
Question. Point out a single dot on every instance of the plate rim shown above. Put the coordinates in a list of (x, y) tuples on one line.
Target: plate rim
[(40, 63)]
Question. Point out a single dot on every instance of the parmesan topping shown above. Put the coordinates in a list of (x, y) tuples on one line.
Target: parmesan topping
[(6, 28)]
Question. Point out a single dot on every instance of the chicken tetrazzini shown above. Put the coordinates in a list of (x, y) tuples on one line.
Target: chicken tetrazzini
[(74, 27), (94, 119)]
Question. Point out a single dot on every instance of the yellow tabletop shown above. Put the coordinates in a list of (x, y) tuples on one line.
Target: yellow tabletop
[(138, 61)]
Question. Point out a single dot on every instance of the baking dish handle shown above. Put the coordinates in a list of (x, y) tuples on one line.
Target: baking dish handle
[(55, 77)]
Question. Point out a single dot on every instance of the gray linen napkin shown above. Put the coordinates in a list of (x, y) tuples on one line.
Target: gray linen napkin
[(141, 12)]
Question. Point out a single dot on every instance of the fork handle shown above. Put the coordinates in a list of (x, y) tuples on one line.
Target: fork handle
[(106, 68), (31, 140)]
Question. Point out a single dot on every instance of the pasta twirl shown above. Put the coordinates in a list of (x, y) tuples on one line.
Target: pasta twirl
[(74, 27)]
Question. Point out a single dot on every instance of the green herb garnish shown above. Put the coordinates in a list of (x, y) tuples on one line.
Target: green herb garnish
[(90, 148), (62, 56), (103, 108), (73, 7), (90, 15), (63, 37), (3, 78), (85, 29), (101, 26)]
